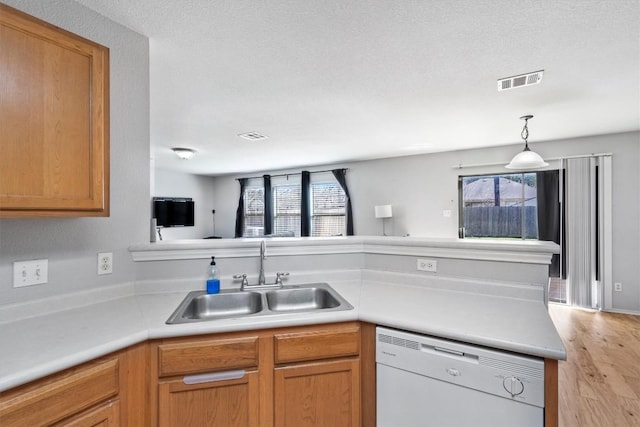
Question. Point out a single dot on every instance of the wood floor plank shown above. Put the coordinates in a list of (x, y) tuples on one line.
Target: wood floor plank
[(599, 383)]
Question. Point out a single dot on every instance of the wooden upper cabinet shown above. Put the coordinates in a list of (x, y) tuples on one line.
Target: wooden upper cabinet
[(54, 120)]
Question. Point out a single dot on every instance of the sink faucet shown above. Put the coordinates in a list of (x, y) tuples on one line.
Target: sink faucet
[(262, 283), (263, 249)]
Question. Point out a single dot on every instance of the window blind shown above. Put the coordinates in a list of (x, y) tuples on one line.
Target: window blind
[(286, 202), (328, 209)]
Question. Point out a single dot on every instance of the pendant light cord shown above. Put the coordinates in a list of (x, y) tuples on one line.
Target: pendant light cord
[(525, 132)]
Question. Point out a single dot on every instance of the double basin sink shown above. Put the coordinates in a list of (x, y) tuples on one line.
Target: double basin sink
[(199, 306)]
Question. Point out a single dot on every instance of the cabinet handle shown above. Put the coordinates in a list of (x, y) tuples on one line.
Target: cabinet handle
[(214, 376)]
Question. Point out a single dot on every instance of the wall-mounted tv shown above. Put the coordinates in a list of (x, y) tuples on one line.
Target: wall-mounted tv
[(173, 211)]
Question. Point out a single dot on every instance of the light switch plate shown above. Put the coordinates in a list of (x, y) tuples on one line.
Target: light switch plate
[(29, 273)]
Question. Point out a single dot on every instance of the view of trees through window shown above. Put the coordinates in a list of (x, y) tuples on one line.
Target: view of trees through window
[(499, 206), (253, 212), (328, 211), (286, 206)]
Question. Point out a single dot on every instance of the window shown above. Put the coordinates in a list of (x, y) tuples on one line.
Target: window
[(327, 208), (499, 205), (253, 211), (328, 212), (286, 204)]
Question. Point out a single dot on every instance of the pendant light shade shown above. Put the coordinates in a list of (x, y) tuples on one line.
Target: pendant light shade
[(526, 159)]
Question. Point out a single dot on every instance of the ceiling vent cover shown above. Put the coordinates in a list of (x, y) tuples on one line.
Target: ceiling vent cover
[(252, 136), (521, 80)]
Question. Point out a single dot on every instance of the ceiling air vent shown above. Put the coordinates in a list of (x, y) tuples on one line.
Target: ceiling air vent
[(520, 81), (252, 136)]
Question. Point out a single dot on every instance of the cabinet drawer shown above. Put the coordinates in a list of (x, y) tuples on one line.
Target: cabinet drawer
[(319, 344), (48, 401), (207, 356)]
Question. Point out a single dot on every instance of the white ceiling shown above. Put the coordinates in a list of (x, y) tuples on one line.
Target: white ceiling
[(340, 80)]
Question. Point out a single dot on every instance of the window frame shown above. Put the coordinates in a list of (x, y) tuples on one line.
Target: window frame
[(252, 186), (317, 178), (312, 210), (522, 201)]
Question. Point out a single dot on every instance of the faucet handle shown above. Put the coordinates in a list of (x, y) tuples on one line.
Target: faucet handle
[(279, 277), (245, 282)]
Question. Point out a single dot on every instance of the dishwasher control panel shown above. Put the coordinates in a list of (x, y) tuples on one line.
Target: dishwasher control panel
[(511, 376)]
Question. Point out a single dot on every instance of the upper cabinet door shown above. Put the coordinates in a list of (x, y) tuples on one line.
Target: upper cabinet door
[(54, 120)]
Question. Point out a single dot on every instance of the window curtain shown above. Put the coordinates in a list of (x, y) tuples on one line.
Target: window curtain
[(268, 205), (305, 214), (240, 211), (339, 175), (548, 199), (587, 231)]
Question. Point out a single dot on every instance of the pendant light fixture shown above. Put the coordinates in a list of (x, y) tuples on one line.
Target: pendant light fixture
[(526, 159)]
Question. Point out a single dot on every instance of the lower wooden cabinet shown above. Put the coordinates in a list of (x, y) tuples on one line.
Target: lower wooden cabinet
[(107, 415), (109, 391), (61, 396), (318, 394), (319, 375), (232, 403), (298, 377)]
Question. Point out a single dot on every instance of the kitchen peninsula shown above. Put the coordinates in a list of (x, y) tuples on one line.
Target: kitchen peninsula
[(488, 293)]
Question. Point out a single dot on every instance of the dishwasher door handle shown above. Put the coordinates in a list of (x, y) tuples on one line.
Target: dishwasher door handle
[(449, 352)]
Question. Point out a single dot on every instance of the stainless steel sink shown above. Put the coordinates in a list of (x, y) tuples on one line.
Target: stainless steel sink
[(199, 306), (301, 299)]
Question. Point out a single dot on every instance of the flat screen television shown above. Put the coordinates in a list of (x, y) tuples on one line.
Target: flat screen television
[(173, 211)]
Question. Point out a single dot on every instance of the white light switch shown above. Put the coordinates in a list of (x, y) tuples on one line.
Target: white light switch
[(28, 273), (446, 213)]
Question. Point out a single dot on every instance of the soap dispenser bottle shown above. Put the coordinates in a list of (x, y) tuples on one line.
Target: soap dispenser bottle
[(213, 281)]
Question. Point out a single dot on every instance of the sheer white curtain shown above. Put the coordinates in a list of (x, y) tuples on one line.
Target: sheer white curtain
[(588, 231)]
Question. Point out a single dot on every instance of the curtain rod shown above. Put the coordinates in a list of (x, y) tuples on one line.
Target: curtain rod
[(289, 174), (578, 156)]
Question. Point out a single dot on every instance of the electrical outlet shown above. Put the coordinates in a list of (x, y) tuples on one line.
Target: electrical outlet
[(617, 287), (28, 273), (427, 265), (105, 263)]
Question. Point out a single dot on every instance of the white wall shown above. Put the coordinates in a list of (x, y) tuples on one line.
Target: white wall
[(421, 187), (200, 189), (72, 244)]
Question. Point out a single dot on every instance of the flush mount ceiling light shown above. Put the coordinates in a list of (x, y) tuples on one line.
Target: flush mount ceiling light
[(252, 136), (526, 159), (184, 153)]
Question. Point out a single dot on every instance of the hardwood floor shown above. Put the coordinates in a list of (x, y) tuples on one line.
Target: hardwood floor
[(599, 383)]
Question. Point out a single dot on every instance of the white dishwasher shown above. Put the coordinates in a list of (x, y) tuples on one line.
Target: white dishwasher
[(425, 381)]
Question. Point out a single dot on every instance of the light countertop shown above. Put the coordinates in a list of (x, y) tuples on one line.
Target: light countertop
[(38, 346)]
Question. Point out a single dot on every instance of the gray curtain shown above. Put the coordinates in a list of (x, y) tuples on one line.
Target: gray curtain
[(240, 210), (305, 212), (548, 199), (339, 174), (268, 205)]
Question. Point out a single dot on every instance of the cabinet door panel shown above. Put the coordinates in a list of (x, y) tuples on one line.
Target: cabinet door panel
[(102, 416), (318, 394), (233, 403), (54, 137), (337, 341), (48, 402), (208, 356)]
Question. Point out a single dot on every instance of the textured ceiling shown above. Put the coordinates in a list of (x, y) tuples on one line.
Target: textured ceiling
[(331, 81)]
